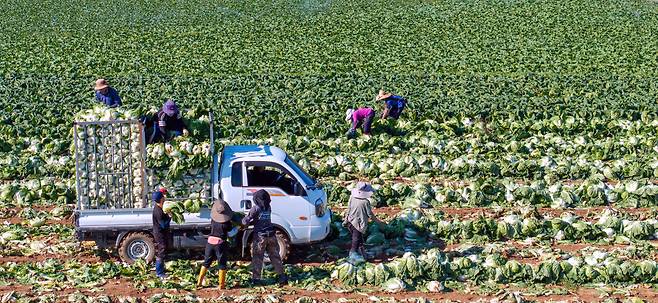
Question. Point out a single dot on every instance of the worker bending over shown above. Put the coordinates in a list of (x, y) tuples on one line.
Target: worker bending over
[(362, 116), (168, 123), (393, 105)]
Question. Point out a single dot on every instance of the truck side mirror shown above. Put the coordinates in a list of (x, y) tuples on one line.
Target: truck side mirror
[(246, 204)]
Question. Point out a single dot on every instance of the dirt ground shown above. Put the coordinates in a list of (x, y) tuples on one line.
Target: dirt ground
[(123, 287)]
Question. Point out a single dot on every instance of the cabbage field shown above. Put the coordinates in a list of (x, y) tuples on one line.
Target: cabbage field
[(524, 169)]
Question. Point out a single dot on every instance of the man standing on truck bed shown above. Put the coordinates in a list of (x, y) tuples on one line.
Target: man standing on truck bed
[(168, 123), (264, 239), (161, 234)]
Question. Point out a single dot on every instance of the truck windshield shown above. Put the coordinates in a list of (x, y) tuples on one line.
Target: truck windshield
[(308, 180)]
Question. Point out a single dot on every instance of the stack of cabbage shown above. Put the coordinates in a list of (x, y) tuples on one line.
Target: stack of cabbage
[(433, 264), (182, 166), (108, 148), (27, 192), (529, 226), (476, 265)]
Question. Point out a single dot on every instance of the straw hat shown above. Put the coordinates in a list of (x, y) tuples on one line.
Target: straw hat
[(101, 84), (383, 95), (220, 211), (363, 190)]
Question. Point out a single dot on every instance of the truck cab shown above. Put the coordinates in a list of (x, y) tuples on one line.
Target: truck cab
[(299, 205)]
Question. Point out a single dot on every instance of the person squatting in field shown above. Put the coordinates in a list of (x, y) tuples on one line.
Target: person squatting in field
[(393, 104), (264, 239), (361, 116), (221, 222), (106, 94), (359, 212), (161, 232)]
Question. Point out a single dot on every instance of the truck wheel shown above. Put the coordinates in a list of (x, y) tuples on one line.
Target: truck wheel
[(137, 246), (284, 246)]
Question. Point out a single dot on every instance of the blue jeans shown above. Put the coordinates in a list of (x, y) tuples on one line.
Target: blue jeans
[(160, 267)]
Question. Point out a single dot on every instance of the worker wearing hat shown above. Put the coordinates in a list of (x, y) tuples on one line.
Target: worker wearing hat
[(216, 248), (169, 123), (363, 116), (161, 233), (394, 104), (106, 94), (359, 212), (264, 239)]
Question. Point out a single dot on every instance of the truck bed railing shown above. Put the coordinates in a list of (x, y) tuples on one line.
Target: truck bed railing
[(110, 164)]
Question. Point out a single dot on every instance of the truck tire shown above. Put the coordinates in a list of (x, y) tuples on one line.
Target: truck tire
[(137, 245), (284, 246)]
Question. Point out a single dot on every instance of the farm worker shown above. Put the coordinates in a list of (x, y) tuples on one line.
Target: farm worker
[(359, 212), (168, 123), (161, 222), (107, 94), (220, 225), (394, 104), (264, 239), (363, 116)]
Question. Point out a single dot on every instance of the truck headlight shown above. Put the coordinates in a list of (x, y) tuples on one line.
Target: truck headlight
[(320, 208)]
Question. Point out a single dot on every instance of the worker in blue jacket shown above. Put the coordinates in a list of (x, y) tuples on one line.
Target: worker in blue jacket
[(161, 232), (394, 104), (264, 239), (106, 94)]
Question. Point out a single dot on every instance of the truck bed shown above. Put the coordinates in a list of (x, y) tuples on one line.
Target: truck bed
[(134, 219)]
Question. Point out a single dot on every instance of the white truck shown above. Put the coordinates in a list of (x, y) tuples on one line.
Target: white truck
[(118, 214)]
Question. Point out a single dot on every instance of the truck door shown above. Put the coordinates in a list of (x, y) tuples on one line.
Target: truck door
[(234, 192), (290, 208)]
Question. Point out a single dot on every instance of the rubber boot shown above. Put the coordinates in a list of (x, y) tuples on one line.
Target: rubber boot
[(222, 279), (355, 258), (202, 274), (283, 280), (362, 251)]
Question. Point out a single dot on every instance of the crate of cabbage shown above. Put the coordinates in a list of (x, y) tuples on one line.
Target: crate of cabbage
[(115, 168), (113, 209)]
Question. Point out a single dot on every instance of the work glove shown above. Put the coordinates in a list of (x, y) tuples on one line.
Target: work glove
[(351, 133)]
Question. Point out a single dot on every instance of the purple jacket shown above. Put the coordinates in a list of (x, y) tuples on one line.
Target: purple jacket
[(361, 114)]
